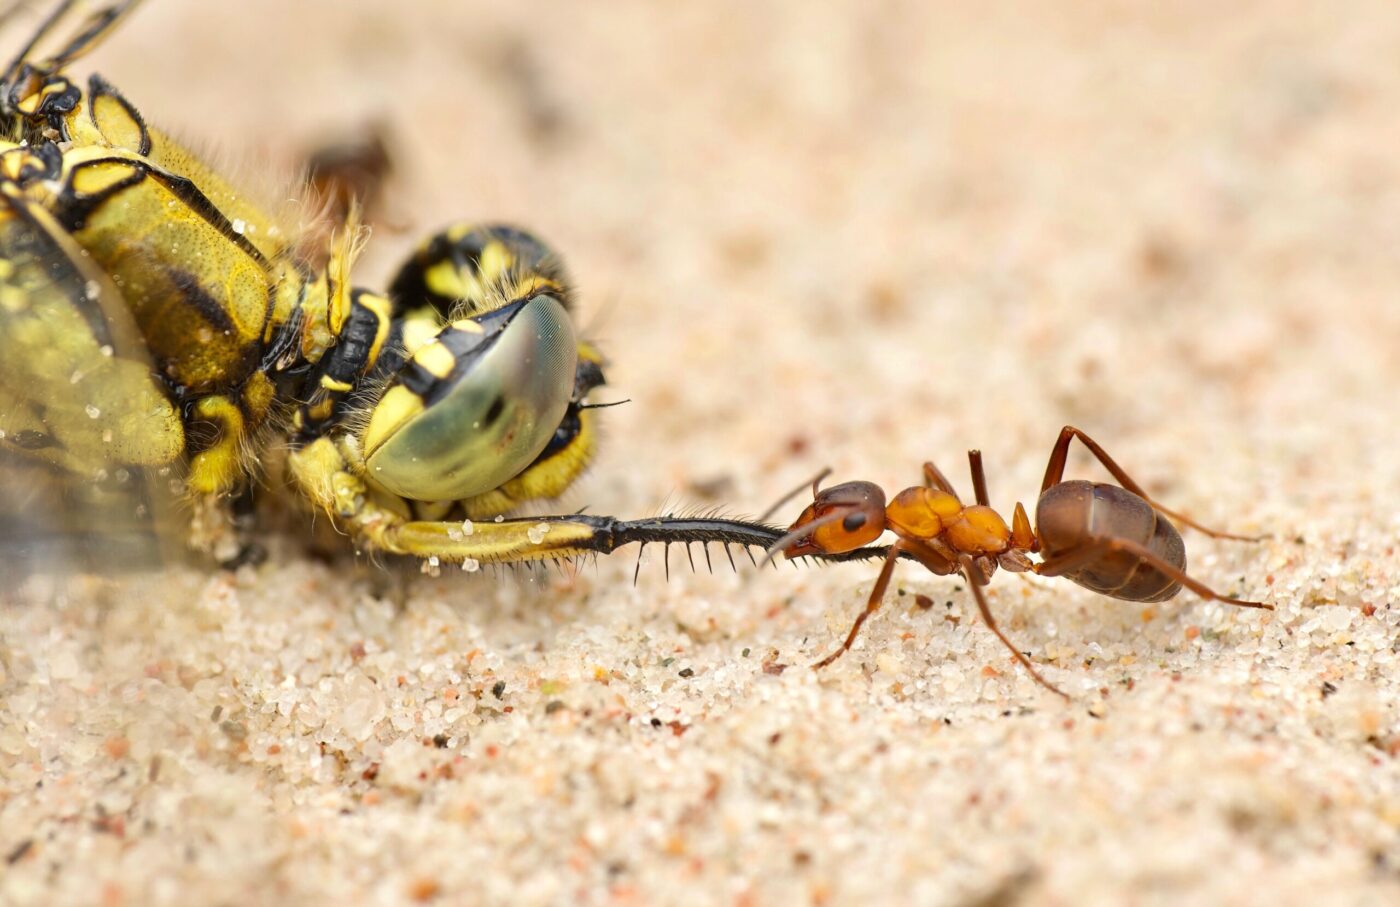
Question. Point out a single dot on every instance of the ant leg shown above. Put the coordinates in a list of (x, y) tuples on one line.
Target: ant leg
[(970, 572), (1090, 551), (1055, 471), (877, 595), (934, 478), (815, 482), (979, 477)]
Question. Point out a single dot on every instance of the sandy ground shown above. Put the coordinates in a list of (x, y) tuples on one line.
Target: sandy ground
[(861, 236)]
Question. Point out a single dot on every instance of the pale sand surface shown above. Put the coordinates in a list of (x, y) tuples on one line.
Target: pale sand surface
[(861, 236)]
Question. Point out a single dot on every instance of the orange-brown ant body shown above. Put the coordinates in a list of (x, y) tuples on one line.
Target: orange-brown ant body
[(1112, 539)]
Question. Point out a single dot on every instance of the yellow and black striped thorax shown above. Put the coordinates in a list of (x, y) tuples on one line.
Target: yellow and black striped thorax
[(466, 269)]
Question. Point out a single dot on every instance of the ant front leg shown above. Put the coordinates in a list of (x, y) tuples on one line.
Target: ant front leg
[(1055, 472), (1096, 549), (877, 595), (973, 576), (912, 548)]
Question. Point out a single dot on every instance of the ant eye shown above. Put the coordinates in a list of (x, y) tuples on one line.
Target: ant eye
[(853, 521)]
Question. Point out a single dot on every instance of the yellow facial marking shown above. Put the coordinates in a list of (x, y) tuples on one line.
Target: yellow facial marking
[(436, 358), (417, 332), (397, 407)]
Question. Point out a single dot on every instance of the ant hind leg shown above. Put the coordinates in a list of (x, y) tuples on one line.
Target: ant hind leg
[(1055, 472), (1091, 551)]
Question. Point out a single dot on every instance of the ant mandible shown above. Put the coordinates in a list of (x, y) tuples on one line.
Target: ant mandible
[(1112, 539)]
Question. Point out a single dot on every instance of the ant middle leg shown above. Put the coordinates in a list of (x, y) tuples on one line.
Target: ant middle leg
[(1055, 472), (934, 478), (1093, 550), (979, 477), (972, 575)]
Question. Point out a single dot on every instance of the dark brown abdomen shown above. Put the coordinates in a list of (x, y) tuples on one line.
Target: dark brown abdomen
[(1077, 513)]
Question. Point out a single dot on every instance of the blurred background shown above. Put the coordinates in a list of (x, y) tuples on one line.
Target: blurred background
[(859, 235)]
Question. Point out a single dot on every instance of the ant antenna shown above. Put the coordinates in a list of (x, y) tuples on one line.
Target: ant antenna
[(805, 530), (815, 482)]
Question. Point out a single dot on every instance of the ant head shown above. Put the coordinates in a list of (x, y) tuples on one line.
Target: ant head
[(842, 518)]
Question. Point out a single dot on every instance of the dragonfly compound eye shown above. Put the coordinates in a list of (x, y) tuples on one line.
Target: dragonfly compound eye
[(474, 407)]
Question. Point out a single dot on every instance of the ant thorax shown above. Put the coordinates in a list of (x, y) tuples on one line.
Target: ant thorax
[(929, 513)]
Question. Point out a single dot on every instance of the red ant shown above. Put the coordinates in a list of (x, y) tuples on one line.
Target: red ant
[(1114, 540)]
